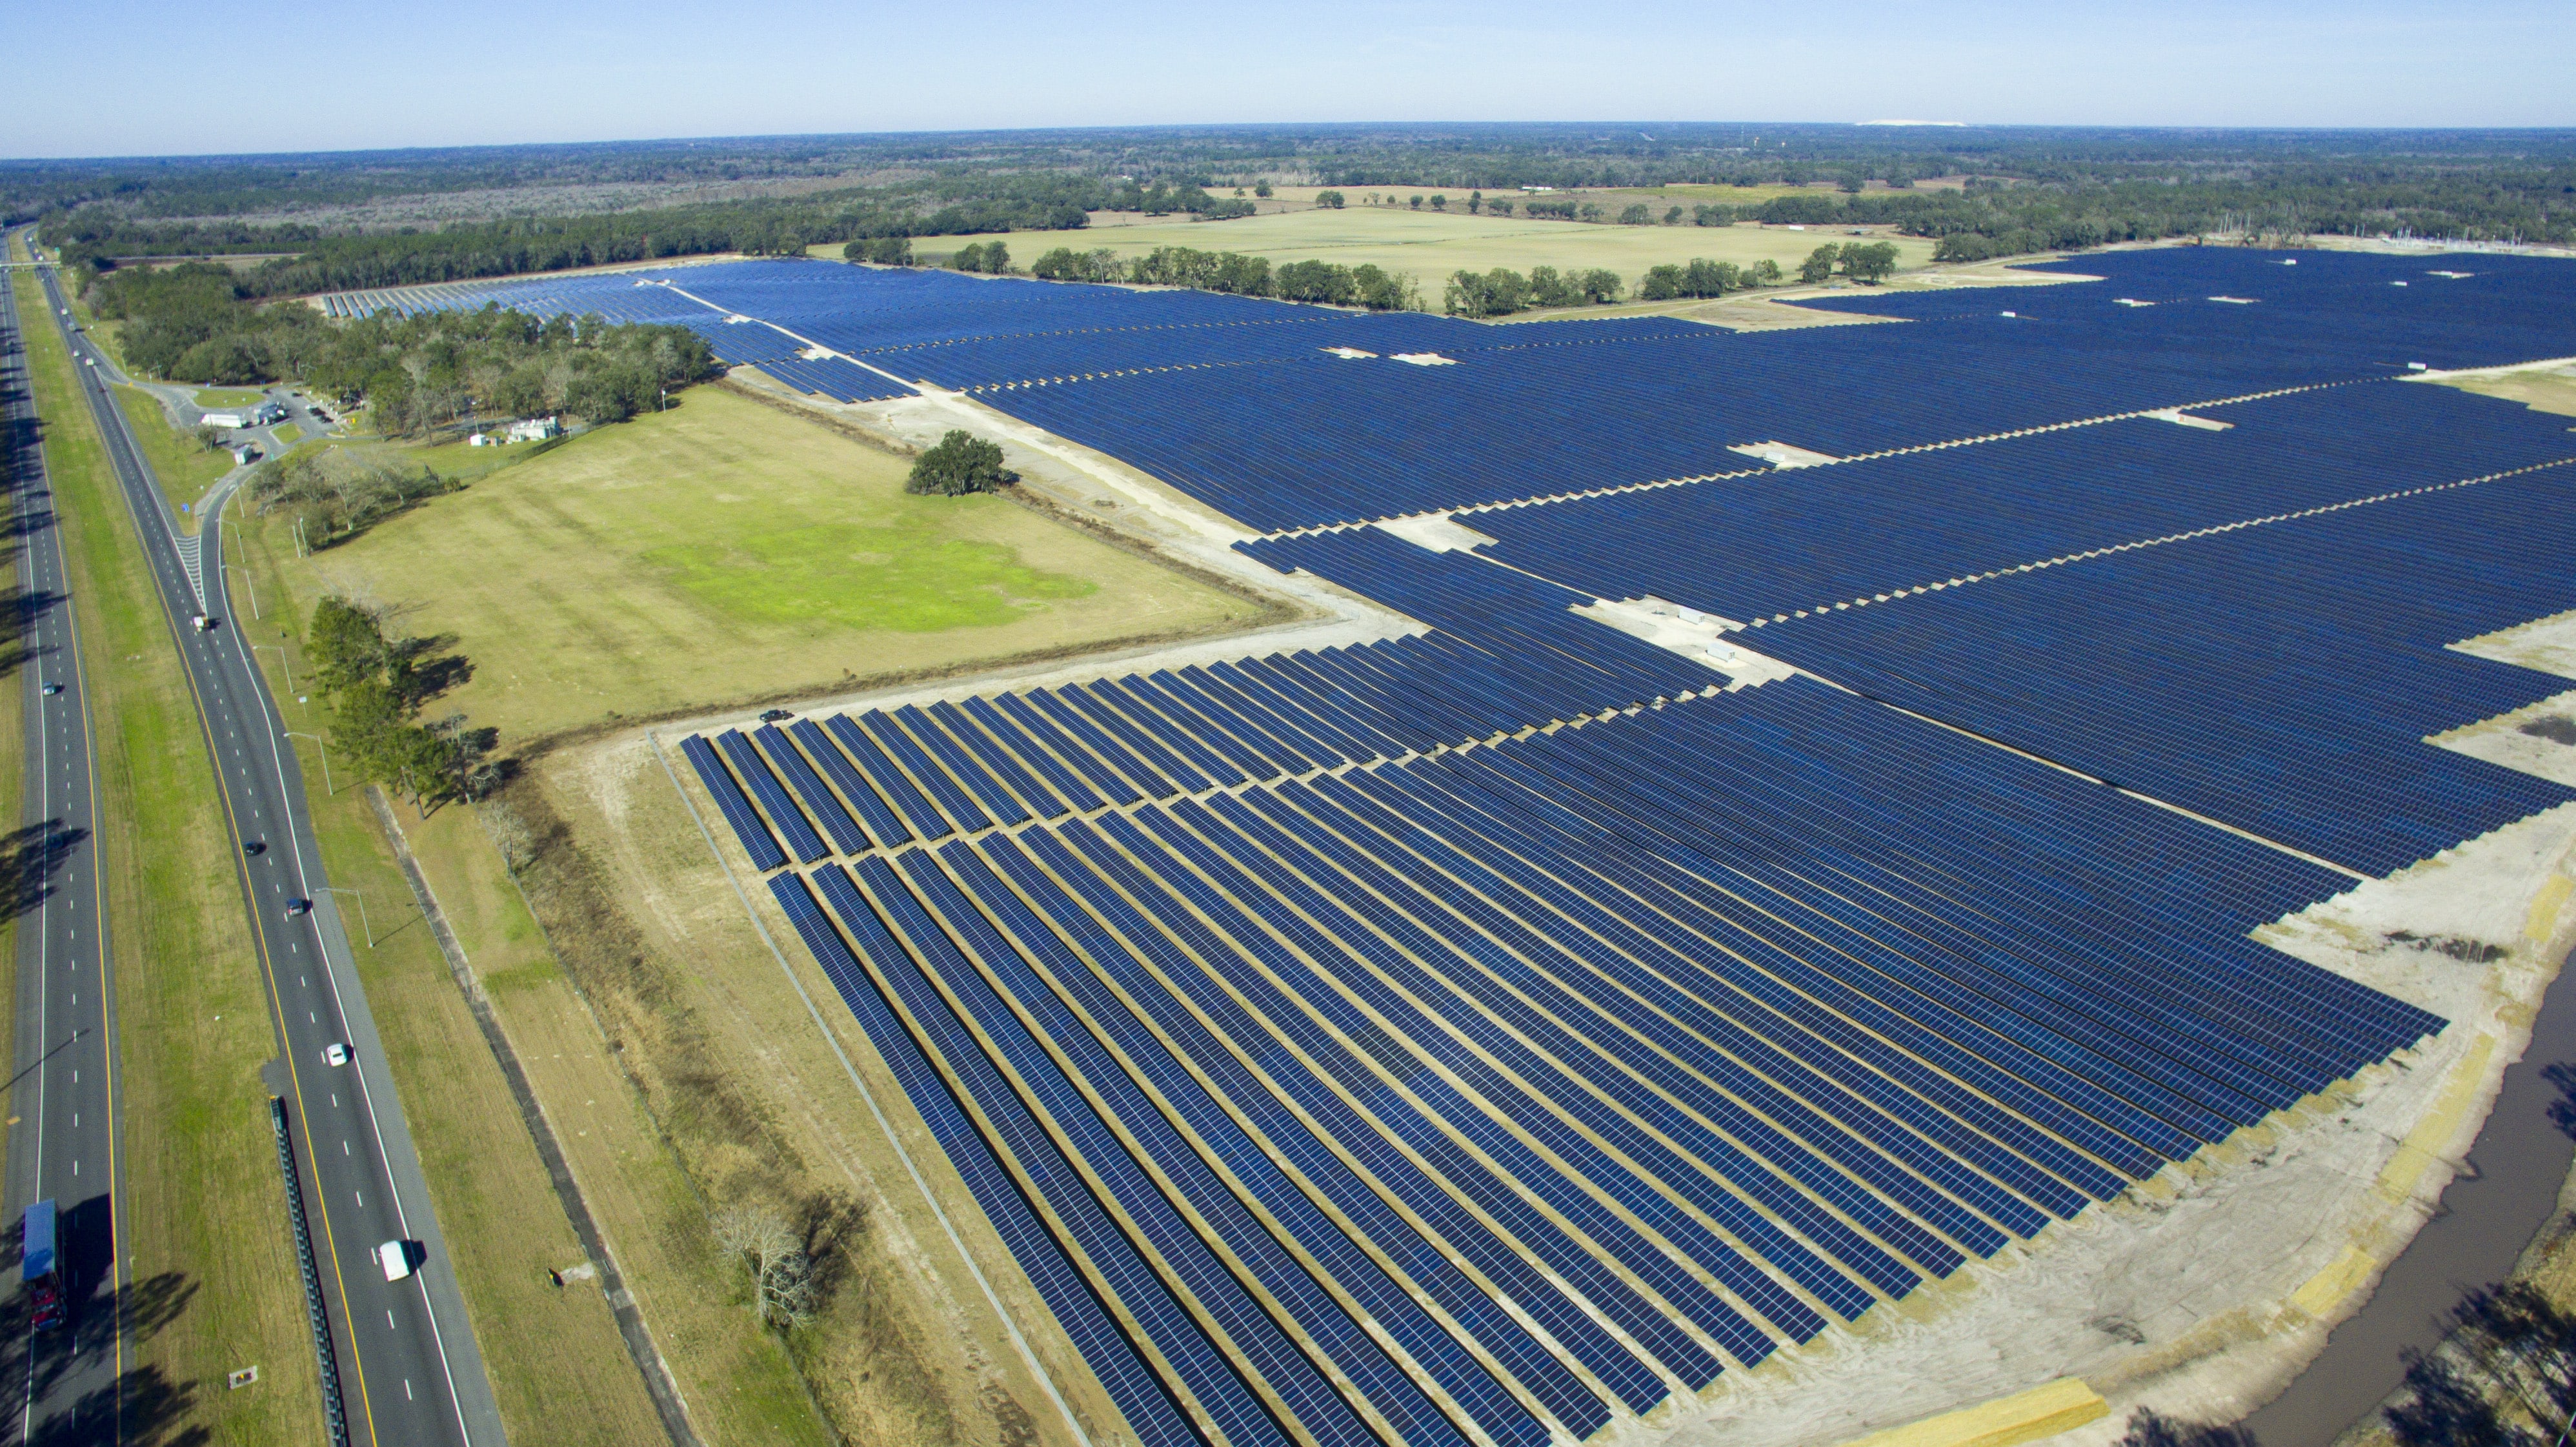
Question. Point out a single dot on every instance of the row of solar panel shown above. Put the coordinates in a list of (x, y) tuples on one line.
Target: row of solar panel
[(1752, 547), (833, 377), (1615, 1024), (2279, 678), (958, 768)]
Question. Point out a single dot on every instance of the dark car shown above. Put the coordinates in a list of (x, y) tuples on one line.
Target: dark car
[(775, 714), (298, 906), (254, 848)]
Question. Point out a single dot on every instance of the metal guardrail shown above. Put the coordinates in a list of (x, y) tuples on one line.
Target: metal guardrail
[(334, 1414)]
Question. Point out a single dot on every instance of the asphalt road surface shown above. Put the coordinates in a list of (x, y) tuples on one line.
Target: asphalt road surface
[(57, 1386), (409, 1369)]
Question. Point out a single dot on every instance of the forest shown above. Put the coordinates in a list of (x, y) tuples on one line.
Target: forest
[(329, 222)]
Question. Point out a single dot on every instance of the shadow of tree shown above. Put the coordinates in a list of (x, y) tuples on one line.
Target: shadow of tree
[(30, 857)]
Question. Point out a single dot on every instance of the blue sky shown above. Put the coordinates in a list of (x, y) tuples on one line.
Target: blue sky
[(165, 78)]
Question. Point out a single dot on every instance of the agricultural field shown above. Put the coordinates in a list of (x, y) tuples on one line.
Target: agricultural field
[(588, 581), (1430, 245)]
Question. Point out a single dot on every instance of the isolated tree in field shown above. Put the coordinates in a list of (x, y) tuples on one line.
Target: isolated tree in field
[(960, 464), (1636, 213), (1673, 217), (1819, 264), (782, 1274), (1499, 206), (1261, 189), (1330, 200), (1475, 202), (1415, 203), (1869, 263), (208, 437), (1765, 272)]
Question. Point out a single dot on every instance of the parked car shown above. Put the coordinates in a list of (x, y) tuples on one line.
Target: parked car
[(773, 715)]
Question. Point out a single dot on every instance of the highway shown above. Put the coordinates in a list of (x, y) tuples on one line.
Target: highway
[(59, 1386), (409, 1370)]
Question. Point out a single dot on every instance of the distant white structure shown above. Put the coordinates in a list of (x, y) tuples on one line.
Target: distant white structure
[(535, 429), (259, 416)]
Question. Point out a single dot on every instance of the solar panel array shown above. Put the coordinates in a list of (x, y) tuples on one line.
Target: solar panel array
[(1494, 1032), (1639, 1027)]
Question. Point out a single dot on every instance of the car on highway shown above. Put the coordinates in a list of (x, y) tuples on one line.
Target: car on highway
[(254, 847), (396, 1259), (202, 622), (52, 688), (297, 906), (775, 714), (335, 1053)]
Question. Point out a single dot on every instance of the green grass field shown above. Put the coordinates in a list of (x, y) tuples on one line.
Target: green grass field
[(211, 397), (206, 1219), (722, 553), (287, 433), (1430, 245)]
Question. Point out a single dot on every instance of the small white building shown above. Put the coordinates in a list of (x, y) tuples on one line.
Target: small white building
[(535, 429)]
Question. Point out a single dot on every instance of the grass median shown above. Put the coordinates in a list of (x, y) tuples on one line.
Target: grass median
[(184, 467), (205, 1222)]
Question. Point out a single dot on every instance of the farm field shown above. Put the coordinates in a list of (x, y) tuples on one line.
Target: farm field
[(1430, 245), (590, 582)]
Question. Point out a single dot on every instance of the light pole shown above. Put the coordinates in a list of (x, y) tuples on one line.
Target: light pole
[(248, 587), (327, 786), (362, 911), (280, 650)]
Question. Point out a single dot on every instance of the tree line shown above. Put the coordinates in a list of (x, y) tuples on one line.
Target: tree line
[(192, 324), (1231, 272), (376, 686)]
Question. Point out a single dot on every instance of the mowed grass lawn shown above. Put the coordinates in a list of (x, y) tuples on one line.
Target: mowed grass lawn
[(1430, 245), (725, 552)]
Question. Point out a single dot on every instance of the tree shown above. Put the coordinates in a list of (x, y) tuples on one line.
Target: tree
[(1600, 286), (1819, 264), (969, 257), (782, 1274), (1636, 213), (1440, 203), (1498, 292), (1316, 281), (1331, 200), (208, 437), (880, 250), (1384, 291), (1261, 189), (960, 464), (1661, 283), (1475, 202), (1766, 272), (1499, 206), (1415, 203), (1869, 263), (1673, 217), (1588, 211)]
